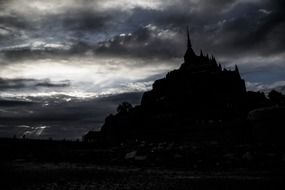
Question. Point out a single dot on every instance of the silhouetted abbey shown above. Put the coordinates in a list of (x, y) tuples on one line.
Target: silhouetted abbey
[(199, 101), (200, 88)]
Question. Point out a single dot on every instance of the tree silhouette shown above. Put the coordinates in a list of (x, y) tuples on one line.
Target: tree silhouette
[(124, 107)]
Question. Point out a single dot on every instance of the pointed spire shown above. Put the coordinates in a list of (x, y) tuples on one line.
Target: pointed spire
[(189, 44), (189, 54), (214, 59), (236, 68), (237, 71)]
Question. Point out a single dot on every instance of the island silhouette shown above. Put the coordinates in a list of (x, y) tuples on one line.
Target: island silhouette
[(200, 101)]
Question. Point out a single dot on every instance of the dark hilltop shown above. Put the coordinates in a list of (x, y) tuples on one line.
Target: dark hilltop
[(200, 101)]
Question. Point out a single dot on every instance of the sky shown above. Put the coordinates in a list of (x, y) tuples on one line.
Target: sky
[(66, 64)]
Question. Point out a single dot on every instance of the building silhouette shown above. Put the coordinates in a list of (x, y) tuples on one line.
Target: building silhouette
[(200, 101)]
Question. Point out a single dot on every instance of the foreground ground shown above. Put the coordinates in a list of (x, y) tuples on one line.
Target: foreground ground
[(60, 176), (59, 165)]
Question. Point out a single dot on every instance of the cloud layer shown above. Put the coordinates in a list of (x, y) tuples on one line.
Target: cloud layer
[(228, 28), (57, 116)]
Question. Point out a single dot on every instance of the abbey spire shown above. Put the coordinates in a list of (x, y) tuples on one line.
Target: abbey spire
[(189, 44), (189, 54)]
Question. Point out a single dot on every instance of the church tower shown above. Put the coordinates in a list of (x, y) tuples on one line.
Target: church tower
[(189, 54)]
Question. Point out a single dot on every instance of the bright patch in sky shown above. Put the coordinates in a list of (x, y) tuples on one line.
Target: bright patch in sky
[(87, 76)]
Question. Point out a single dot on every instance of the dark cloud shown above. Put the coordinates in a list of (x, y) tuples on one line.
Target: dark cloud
[(145, 42), (253, 31), (28, 53), (12, 103), (85, 20), (16, 84), (226, 28), (229, 28), (240, 30), (15, 22)]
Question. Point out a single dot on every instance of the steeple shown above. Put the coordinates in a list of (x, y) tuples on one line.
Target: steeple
[(201, 53), (190, 54), (189, 44), (237, 71), (236, 68)]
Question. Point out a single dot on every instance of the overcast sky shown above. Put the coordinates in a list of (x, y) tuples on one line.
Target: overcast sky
[(92, 48)]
